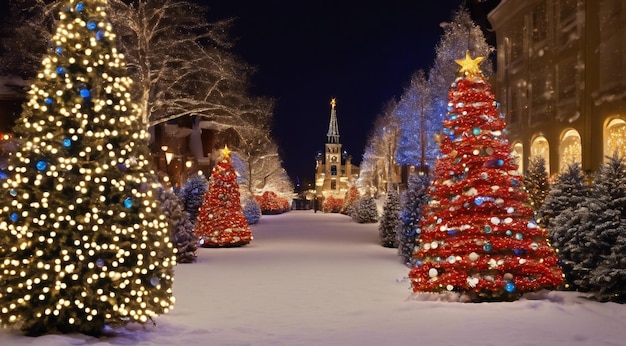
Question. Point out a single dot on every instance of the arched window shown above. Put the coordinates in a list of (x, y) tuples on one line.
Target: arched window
[(570, 149), (541, 147), (615, 138), (518, 152)]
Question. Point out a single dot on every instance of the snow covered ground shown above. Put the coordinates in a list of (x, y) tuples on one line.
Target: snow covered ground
[(320, 279)]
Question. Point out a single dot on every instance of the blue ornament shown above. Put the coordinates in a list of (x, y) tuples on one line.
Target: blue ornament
[(42, 165), (519, 236), (452, 232), (154, 281), (67, 142), (48, 100), (91, 25), (500, 162), (58, 50), (476, 131), (514, 182), (517, 252), (128, 203), (484, 175), (509, 232), (3, 175), (80, 7), (451, 137), (13, 192), (453, 116), (122, 167), (509, 286), (99, 35), (61, 70), (487, 247), (14, 217), (487, 229), (478, 200), (100, 262), (85, 93)]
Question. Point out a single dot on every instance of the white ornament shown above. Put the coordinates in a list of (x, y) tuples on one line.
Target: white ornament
[(433, 272), (472, 282), (473, 256)]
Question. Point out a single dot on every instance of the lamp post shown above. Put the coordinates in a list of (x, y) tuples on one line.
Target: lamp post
[(168, 159)]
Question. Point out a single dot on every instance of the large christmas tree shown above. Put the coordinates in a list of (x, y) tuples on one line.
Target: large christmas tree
[(477, 235), (221, 222), (83, 244)]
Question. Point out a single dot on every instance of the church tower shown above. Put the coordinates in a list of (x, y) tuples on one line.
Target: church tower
[(335, 174), (333, 147)]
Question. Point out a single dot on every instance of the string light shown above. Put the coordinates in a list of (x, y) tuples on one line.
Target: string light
[(66, 179)]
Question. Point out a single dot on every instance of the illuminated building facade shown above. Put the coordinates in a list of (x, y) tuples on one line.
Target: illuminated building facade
[(334, 171), (560, 79)]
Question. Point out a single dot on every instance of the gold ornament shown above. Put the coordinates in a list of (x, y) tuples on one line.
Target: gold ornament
[(469, 66)]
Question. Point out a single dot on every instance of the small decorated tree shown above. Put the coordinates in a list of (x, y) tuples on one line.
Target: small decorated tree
[(412, 202), (478, 238), (251, 210), (390, 220), (192, 195), (351, 197), (181, 227), (221, 222)]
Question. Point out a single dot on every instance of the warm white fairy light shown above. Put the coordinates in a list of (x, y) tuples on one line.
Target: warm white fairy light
[(55, 175)]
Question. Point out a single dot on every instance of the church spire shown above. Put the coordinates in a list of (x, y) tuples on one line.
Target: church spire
[(333, 128)]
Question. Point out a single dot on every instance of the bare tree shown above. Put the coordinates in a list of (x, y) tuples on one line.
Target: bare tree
[(378, 158), (180, 63), (416, 142)]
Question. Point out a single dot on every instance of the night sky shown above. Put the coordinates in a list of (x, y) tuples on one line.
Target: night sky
[(307, 52), (360, 52)]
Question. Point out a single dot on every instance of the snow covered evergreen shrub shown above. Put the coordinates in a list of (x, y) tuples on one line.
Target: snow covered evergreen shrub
[(181, 227), (568, 191), (251, 210), (536, 182), (597, 247), (192, 195), (413, 198), (390, 220), (365, 210), (563, 213)]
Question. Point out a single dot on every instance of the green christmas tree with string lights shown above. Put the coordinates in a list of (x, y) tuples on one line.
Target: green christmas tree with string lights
[(83, 245), (477, 236)]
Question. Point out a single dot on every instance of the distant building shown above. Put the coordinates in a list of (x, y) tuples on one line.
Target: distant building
[(334, 171), (561, 79)]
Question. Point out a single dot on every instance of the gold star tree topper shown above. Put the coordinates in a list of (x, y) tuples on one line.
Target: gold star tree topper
[(226, 152), (469, 66)]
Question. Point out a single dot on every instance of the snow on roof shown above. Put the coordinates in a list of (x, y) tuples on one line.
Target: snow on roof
[(11, 85)]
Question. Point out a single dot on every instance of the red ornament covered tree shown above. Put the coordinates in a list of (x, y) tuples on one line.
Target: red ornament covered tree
[(221, 222), (478, 236)]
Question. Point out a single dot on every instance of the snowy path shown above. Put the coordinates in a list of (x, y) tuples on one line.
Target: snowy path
[(320, 279)]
